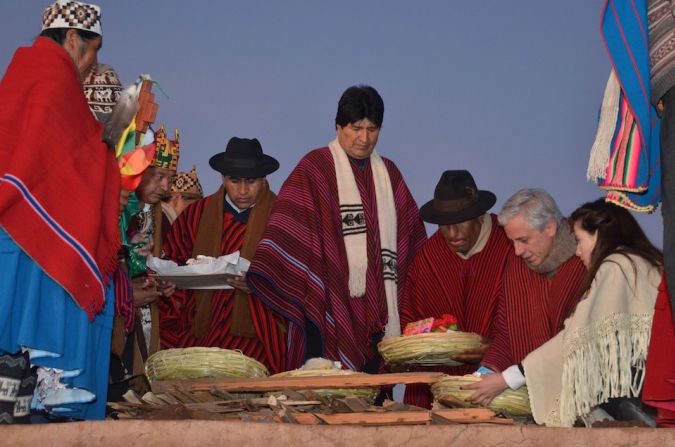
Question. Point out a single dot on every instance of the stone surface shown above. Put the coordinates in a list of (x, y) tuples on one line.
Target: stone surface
[(195, 433)]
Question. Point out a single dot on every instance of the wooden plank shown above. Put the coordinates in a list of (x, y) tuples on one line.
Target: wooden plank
[(297, 383), (356, 404), (305, 418), (465, 415), (387, 418)]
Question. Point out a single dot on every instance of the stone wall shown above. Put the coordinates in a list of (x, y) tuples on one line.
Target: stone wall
[(195, 433)]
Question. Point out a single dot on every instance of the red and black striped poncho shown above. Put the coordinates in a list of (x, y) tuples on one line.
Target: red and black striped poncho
[(532, 309), (300, 268), (441, 282), (177, 312)]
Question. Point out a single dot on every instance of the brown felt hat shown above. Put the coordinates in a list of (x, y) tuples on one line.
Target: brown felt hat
[(456, 199)]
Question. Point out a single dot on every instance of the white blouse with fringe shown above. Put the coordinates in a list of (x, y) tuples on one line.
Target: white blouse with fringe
[(601, 352)]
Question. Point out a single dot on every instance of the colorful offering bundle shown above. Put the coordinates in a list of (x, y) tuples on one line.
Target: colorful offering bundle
[(446, 323)]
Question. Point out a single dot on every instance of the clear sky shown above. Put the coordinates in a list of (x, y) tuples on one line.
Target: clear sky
[(509, 90)]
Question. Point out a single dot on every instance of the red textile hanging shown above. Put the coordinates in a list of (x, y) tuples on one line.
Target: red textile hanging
[(59, 184)]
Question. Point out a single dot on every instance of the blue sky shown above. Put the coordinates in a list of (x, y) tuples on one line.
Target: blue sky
[(506, 89)]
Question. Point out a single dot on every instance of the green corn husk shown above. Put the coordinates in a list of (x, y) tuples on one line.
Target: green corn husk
[(199, 363), (367, 393), (515, 403), (434, 348)]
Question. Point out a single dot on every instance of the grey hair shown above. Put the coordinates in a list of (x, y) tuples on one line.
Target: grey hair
[(537, 205)]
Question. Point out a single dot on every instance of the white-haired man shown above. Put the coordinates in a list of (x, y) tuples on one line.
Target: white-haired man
[(541, 280)]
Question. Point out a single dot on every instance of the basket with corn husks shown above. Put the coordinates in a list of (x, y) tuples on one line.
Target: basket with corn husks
[(200, 363), (512, 402), (429, 342), (324, 367)]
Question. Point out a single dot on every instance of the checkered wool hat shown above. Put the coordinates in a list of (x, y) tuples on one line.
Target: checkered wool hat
[(167, 151), (187, 183), (102, 88), (71, 14)]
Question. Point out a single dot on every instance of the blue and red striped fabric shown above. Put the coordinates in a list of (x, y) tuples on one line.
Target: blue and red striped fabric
[(625, 34)]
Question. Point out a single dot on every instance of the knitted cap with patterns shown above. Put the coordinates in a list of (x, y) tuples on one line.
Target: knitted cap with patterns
[(72, 14), (187, 183)]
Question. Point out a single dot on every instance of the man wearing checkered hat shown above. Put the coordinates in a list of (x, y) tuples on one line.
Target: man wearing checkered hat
[(59, 209)]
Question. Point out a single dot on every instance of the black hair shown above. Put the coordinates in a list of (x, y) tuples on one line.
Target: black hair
[(58, 35), (618, 232), (359, 102)]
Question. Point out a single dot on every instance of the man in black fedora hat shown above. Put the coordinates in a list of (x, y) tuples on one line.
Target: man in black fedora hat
[(232, 219), (459, 268)]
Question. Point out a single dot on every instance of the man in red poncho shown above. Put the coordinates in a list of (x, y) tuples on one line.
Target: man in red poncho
[(232, 219), (459, 269), (339, 244), (541, 281), (59, 206)]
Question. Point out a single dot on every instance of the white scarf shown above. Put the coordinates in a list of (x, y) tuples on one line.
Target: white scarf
[(354, 230)]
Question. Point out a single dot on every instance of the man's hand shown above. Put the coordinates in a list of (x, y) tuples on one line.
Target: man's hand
[(144, 294), (487, 389), (166, 288), (473, 355), (238, 282), (146, 249)]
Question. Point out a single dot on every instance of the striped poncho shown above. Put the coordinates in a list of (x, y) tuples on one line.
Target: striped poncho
[(532, 309), (177, 313), (300, 268), (441, 282)]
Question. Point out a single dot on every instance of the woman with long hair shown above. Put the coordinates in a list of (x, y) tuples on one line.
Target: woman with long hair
[(601, 351)]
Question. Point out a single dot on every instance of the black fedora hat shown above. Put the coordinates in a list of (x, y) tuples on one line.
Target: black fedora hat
[(243, 157), (456, 199)]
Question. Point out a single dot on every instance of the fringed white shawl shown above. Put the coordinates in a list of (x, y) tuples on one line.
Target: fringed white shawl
[(601, 352), (354, 230)]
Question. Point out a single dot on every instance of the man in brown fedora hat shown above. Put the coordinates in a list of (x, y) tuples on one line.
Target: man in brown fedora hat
[(232, 219), (459, 268)]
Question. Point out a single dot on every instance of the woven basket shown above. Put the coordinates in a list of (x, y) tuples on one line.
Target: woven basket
[(367, 393), (199, 363), (515, 403), (434, 348)]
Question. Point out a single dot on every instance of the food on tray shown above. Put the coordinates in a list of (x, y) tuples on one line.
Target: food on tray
[(201, 259)]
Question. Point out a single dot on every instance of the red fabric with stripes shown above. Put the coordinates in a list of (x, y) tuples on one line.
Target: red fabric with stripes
[(300, 268), (532, 309), (441, 282), (659, 387), (177, 312)]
